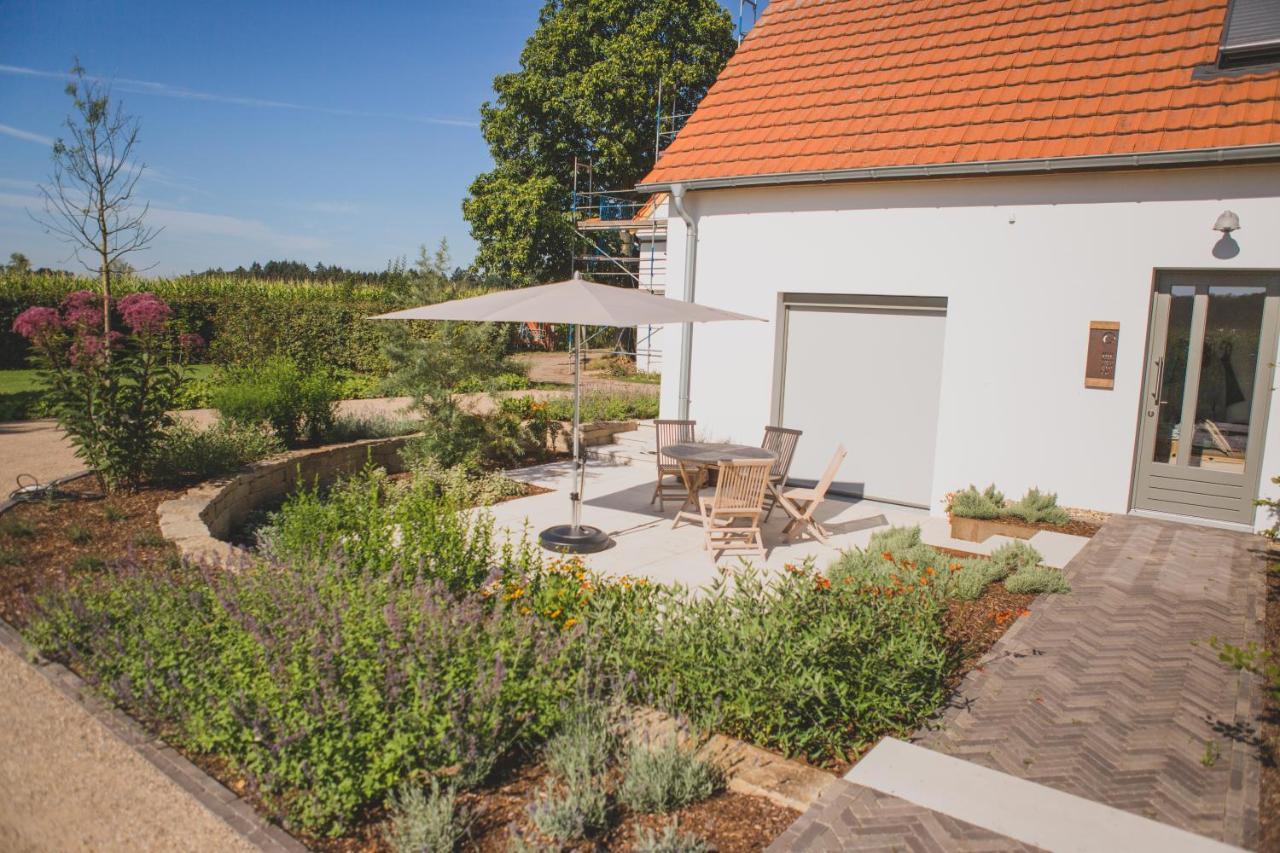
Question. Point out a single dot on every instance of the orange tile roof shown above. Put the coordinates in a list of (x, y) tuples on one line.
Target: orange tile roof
[(830, 85)]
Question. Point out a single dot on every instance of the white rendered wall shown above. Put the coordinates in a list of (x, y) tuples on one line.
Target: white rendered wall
[(1025, 263)]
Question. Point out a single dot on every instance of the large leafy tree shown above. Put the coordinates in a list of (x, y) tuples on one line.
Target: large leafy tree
[(587, 87)]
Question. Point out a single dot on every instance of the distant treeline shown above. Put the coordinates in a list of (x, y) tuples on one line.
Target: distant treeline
[(397, 271)]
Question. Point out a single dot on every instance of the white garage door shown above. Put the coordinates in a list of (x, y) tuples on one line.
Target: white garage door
[(864, 372)]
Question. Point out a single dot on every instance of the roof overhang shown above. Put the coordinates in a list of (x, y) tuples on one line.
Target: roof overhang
[(1041, 166)]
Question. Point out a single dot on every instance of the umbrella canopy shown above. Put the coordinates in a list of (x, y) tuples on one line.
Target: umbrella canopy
[(574, 301)]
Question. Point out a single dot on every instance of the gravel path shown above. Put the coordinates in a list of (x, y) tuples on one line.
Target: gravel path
[(40, 448), (68, 783)]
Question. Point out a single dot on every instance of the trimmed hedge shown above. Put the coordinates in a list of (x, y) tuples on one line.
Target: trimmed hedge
[(244, 320)]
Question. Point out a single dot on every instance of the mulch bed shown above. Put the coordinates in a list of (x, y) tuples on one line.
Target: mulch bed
[(1269, 808), (45, 545)]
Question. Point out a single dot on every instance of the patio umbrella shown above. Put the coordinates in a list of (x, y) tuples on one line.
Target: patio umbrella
[(580, 303)]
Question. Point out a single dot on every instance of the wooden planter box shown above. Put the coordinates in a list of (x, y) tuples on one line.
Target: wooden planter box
[(982, 529)]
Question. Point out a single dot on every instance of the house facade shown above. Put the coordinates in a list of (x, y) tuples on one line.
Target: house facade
[(1033, 244)]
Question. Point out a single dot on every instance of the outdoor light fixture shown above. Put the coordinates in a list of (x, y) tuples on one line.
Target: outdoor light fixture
[(1227, 222)]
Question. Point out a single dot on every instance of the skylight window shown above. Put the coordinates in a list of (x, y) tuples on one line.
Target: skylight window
[(1251, 34)]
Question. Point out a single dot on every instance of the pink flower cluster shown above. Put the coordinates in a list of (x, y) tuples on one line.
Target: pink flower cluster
[(145, 313), (82, 309), (88, 350), (37, 322), (190, 342)]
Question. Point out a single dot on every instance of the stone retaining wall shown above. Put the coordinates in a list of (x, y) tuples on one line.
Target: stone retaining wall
[(200, 521)]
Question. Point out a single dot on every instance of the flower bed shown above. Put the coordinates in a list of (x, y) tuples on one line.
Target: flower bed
[(977, 515), (386, 639)]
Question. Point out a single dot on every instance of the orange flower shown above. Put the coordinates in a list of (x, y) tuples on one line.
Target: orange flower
[(886, 555), (1022, 611), (823, 583), (928, 570)]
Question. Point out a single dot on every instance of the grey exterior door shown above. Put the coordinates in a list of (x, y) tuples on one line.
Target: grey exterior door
[(1207, 392), (865, 372)]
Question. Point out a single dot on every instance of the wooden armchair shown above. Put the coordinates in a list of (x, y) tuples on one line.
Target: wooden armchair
[(800, 504), (739, 496), (781, 441), (670, 432)]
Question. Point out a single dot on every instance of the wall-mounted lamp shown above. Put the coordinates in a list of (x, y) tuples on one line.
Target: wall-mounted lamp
[(1227, 222)]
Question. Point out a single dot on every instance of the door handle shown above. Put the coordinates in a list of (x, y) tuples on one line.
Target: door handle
[(1159, 389)]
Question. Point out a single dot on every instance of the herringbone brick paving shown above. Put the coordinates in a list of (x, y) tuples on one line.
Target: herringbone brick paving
[(1110, 693)]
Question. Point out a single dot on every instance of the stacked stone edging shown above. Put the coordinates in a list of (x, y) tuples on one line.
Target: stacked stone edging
[(199, 521)]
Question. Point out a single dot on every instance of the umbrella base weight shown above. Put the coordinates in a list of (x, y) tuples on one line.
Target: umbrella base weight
[(568, 539)]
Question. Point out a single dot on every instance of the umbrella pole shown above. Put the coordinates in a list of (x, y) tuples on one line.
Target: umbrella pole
[(579, 470), (576, 537)]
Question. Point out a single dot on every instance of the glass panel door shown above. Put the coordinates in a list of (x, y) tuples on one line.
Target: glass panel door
[(1209, 378), (1172, 376), (1228, 364)]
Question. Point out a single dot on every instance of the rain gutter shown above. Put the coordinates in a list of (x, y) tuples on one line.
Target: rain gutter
[(1044, 165), (690, 270)]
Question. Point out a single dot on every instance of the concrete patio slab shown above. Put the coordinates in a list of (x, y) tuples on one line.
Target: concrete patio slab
[(1016, 808), (616, 499)]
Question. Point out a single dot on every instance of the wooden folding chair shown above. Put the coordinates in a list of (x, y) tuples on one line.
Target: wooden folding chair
[(800, 504), (739, 496), (781, 441), (670, 432)]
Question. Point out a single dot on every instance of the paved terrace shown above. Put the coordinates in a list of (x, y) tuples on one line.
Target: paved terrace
[(616, 499), (1089, 725)]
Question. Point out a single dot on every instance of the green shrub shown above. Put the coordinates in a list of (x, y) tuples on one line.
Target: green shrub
[(1015, 556), (453, 437), (471, 487), (506, 380), (971, 503), (425, 821), (78, 535), (112, 394), (17, 528), (10, 556), (1038, 507), (149, 539), (566, 812), (897, 556), (670, 840), (298, 403), (372, 525), (1037, 579), (801, 664), (88, 563), (581, 752), (191, 453), (595, 406), (361, 427), (666, 777)]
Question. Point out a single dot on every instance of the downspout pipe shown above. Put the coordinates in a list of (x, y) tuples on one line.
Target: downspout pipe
[(690, 279)]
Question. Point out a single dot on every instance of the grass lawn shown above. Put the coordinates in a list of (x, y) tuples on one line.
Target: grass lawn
[(20, 391)]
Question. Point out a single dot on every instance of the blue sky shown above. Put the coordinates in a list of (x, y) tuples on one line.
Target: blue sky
[(338, 132)]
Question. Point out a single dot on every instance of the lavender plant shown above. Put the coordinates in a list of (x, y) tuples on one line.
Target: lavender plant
[(325, 682)]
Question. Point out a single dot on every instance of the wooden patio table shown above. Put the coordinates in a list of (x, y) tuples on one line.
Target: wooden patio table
[(695, 458)]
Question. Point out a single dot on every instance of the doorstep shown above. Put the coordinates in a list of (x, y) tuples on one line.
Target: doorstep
[(903, 796)]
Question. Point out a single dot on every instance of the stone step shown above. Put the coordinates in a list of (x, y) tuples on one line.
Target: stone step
[(1016, 808)]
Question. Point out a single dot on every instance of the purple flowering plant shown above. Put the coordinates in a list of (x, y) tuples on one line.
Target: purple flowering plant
[(111, 391)]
